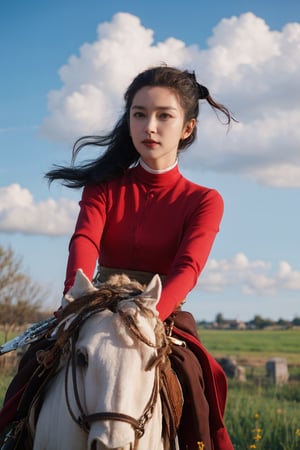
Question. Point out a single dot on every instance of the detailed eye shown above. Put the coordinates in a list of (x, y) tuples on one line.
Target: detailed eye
[(82, 359), (138, 115), (165, 116)]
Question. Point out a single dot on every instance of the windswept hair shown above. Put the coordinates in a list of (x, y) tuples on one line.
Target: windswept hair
[(120, 152)]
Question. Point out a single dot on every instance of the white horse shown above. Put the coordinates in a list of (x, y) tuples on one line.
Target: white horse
[(106, 393)]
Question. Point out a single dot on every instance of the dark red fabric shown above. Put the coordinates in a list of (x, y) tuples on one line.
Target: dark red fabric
[(194, 423), (8, 412), (215, 389)]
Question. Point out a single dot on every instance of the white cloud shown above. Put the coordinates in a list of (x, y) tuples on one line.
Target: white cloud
[(247, 66), (19, 213), (94, 81), (253, 277)]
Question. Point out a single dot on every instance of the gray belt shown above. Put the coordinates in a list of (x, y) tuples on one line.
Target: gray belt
[(103, 274)]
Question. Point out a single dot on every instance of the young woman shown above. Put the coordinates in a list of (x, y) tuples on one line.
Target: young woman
[(140, 216), (137, 211)]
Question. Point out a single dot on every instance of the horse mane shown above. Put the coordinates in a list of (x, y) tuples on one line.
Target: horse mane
[(107, 296)]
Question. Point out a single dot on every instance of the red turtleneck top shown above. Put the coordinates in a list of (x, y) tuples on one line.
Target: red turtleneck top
[(161, 223)]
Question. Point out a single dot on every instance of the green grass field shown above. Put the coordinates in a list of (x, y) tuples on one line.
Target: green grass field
[(253, 345)]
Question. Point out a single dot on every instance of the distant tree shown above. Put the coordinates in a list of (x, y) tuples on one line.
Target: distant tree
[(284, 323), (260, 323), (219, 319), (20, 297), (296, 321)]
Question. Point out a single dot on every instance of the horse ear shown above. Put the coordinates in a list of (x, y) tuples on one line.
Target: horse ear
[(153, 290), (81, 286)]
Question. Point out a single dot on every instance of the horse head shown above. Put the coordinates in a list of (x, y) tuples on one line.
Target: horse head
[(106, 395)]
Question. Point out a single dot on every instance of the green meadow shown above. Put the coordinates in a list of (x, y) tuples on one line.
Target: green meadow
[(253, 345)]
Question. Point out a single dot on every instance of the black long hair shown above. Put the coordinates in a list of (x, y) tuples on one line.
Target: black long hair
[(120, 152)]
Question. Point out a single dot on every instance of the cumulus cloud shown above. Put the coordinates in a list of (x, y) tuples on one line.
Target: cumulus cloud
[(94, 82), (19, 212), (246, 65), (253, 277)]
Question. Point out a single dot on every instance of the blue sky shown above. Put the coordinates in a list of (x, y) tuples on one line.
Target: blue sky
[(64, 67)]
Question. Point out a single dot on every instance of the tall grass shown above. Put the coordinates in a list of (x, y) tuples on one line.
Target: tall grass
[(264, 417)]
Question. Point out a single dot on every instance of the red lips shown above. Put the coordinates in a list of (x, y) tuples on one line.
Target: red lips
[(149, 142)]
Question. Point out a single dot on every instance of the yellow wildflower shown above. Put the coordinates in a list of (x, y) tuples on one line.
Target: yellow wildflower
[(257, 437)]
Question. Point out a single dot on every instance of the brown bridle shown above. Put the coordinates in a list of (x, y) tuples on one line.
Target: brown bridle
[(84, 420)]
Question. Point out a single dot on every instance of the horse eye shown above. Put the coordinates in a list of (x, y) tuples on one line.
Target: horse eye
[(81, 358)]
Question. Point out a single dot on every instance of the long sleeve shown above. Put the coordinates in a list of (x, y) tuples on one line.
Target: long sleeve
[(84, 246), (192, 254)]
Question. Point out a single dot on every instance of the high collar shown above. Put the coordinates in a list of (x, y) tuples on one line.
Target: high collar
[(156, 179), (156, 171)]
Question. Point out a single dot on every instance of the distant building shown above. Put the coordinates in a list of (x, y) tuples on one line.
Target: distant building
[(230, 324)]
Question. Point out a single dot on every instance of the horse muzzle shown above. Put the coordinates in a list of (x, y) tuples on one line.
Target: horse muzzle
[(116, 436)]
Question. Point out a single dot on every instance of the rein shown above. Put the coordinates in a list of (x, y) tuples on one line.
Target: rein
[(84, 420)]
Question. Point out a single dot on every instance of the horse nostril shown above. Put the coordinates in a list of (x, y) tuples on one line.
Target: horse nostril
[(94, 446), (82, 361)]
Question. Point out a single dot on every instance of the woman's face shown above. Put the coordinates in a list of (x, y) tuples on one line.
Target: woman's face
[(157, 125)]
